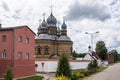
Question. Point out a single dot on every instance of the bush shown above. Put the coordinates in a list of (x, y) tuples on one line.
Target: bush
[(80, 75), (86, 72), (74, 77), (92, 66), (9, 74), (61, 78), (63, 67)]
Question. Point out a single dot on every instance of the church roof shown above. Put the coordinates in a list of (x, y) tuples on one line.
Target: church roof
[(64, 38), (51, 20)]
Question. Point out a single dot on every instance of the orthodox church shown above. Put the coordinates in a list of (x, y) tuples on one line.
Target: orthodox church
[(51, 41)]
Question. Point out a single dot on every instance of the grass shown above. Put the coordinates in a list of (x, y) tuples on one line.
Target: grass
[(32, 78), (87, 73)]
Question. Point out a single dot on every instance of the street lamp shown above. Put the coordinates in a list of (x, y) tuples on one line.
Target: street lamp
[(91, 34)]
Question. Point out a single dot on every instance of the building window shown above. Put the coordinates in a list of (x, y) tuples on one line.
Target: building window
[(4, 38), (4, 54), (19, 55), (20, 39), (27, 40), (39, 51), (46, 51), (27, 55)]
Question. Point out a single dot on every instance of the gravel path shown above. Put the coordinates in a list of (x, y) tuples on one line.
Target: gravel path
[(47, 76), (111, 73)]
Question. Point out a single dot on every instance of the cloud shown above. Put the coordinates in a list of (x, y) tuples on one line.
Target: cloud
[(5, 6), (94, 10), (113, 2)]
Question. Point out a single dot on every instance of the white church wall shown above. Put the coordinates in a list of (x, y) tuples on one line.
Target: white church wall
[(51, 66)]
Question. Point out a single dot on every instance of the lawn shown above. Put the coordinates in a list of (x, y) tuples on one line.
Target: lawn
[(32, 78)]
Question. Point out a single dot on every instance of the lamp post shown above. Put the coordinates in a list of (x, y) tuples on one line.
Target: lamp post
[(91, 35)]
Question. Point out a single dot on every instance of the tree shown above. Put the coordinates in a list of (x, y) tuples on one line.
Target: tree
[(115, 53), (101, 50), (9, 74), (74, 54), (78, 55), (63, 67), (92, 66)]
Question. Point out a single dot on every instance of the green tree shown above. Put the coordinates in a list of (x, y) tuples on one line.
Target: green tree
[(63, 67), (74, 54), (92, 66), (9, 74), (101, 50), (116, 56)]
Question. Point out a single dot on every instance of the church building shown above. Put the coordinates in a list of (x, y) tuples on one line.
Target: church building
[(51, 41)]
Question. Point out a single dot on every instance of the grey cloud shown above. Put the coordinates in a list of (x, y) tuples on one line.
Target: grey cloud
[(91, 11), (5, 6)]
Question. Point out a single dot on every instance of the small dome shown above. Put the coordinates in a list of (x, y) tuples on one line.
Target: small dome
[(64, 26), (51, 21), (43, 24), (64, 38), (39, 28)]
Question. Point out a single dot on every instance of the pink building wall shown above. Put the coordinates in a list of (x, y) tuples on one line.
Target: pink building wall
[(21, 67)]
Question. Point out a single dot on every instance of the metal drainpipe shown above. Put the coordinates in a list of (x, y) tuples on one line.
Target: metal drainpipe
[(13, 48)]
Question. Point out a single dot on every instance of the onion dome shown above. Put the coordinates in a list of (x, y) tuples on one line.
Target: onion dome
[(44, 24), (51, 21), (39, 29), (64, 26)]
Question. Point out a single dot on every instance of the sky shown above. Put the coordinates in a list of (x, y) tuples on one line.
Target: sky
[(81, 16)]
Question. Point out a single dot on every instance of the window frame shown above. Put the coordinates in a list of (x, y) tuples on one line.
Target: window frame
[(19, 55), (27, 40), (4, 38), (27, 56), (46, 50), (4, 55), (20, 39)]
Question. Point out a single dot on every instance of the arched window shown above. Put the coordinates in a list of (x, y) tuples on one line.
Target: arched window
[(46, 51), (4, 54), (38, 50), (19, 55)]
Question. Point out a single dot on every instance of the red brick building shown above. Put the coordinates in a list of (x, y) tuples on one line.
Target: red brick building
[(17, 51), (111, 58)]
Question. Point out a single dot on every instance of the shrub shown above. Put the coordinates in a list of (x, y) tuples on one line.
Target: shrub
[(74, 77), (9, 74), (63, 66), (61, 78), (80, 75), (92, 66)]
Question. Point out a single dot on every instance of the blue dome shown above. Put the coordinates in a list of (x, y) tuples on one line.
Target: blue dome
[(51, 21), (43, 24), (64, 26)]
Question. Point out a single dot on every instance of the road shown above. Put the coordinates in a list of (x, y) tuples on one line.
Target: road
[(111, 73)]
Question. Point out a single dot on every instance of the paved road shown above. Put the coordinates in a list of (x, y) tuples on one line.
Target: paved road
[(111, 73)]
